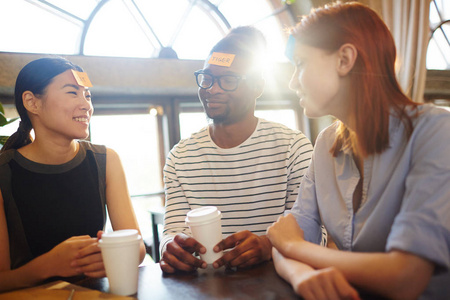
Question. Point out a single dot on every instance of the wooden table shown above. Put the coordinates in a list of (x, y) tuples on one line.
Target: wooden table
[(259, 282)]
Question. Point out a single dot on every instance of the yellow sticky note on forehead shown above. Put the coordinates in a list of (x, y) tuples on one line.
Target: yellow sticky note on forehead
[(221, 59), (82, 78)]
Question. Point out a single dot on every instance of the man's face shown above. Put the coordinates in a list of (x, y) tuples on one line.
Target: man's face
[(228, 107)]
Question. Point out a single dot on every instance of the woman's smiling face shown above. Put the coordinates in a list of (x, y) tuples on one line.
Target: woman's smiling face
[(66, 107)]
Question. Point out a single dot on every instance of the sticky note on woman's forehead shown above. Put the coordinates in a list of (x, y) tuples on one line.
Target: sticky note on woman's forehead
[(221, 59), (290, 48), (82, 78)]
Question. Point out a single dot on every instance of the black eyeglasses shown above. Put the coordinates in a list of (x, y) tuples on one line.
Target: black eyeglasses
[(227, 83)]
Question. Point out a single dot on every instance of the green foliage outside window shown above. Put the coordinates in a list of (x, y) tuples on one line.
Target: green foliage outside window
[(4, 121)]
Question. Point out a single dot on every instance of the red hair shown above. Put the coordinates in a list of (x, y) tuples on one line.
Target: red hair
[(375, 88)]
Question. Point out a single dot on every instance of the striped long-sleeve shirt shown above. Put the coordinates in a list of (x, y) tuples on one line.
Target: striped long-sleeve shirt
[(251, 184)]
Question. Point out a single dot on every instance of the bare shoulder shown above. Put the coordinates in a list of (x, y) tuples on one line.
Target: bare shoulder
[(111, 152), (113, 163), (112, 155)]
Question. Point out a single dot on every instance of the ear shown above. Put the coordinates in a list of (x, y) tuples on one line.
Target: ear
[(31, 102), (347, 55), (259, 87)]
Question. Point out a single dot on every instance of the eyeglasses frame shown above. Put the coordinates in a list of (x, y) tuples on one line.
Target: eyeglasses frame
[(217, 78)]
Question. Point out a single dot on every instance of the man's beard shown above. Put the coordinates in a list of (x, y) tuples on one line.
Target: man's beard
[(220, 119)]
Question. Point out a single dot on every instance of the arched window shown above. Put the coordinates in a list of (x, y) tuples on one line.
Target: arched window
[(134, 28), (438, 54)]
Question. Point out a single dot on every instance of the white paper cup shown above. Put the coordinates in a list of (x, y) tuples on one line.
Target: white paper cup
[(206, 228), (120, 253)]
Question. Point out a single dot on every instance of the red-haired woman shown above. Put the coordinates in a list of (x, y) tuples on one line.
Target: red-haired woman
[(379, 176)]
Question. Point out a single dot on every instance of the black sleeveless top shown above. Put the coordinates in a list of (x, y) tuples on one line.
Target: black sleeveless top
[(47, 204)]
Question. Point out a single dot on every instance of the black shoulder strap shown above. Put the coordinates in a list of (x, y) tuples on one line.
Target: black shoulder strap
[(99, 152), (20, 252)]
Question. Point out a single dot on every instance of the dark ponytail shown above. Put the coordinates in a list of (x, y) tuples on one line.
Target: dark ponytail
[(21, 137), (34, 77)]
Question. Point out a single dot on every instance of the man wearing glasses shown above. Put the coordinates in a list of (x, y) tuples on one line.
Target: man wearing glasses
[(247, 167)]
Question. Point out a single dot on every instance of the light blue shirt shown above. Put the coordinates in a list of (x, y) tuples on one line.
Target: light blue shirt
[(405, 197)]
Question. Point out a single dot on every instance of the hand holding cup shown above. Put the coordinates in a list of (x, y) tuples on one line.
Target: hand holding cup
[(206, 227)]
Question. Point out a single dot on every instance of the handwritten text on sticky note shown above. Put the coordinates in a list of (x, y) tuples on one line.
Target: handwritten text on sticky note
[(82, 78), (221, 59)]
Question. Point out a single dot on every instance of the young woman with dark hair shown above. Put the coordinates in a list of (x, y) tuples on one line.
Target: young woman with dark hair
[(379, 176), (54, 189)]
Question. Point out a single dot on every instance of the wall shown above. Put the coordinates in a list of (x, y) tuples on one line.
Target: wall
[(113, 76)]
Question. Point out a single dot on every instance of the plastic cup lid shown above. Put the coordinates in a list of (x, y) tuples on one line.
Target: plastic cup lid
[(123, 235), (202, 214)]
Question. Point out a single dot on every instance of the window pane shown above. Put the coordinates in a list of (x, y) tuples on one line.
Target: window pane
[(79, 8), (197, 36), (439, 46), (135, 139), (438, 49), (444, 8), (9, 129), (240, 12), (114, 32), (163, 16), (28, 28), (191, 122), (434, 15), (248, 15), (276, 43)]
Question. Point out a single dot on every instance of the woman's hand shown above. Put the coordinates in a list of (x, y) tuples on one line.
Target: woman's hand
[(89, 260), (327, 283), (284, 232), (61, 258)]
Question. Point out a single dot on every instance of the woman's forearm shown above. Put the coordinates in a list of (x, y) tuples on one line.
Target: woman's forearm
[(327, 283), (287, 268), (29, 274), (395, 274)]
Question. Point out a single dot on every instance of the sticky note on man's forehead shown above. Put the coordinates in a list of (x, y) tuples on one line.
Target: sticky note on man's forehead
[(221, 59), (82, 78)]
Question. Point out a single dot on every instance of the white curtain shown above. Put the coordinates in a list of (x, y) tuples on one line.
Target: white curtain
[(408, 21)]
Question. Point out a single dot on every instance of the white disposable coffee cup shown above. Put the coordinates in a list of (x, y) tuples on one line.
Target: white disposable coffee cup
[(206, 228), (120, 253)]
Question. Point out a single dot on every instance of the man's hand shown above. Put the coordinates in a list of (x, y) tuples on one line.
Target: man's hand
[(178, 255), (249, 249)]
